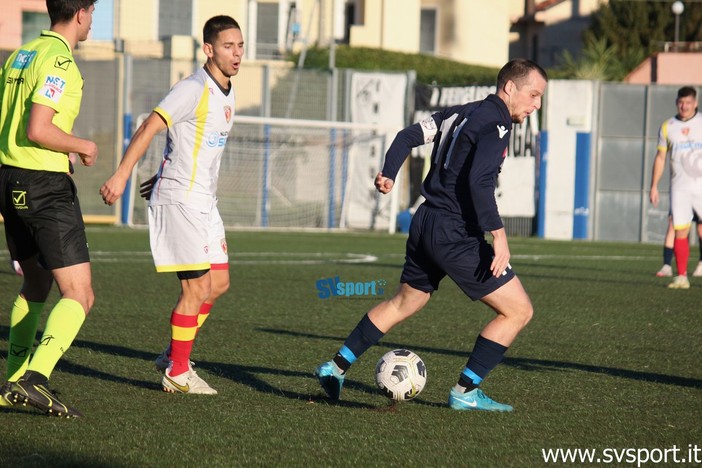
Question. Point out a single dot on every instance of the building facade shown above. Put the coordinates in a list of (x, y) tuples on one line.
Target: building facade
[(469, 31)]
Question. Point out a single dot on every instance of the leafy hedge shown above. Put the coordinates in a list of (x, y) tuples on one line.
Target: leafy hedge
[(430, 70)]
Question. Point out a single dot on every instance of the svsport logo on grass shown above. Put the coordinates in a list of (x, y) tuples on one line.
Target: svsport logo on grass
[(334, 287)]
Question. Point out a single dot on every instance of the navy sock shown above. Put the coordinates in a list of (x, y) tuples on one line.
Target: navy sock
[(365, 335), (667, 255), (486, 355)]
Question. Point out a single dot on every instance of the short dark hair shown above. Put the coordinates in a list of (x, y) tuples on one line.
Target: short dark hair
[(62, 11), (516, 70), (217, 24), (686, 91)]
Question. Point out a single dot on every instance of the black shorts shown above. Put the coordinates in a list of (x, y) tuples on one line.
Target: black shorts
[(42, 215), (439, 245)]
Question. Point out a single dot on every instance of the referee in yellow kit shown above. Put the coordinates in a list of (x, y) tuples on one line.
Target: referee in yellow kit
[(40, 94)]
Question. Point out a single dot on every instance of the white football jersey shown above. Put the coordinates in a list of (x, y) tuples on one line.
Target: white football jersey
[(199, 115), (683, 143)]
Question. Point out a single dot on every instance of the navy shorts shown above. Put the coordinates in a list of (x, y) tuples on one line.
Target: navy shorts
[(440, 245), (42, 216)]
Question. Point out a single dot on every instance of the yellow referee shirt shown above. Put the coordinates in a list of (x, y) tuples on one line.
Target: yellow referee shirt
[(44, 72)]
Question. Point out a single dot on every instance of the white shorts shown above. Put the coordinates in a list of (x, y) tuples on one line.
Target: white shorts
[(186, 239), (683, 202)]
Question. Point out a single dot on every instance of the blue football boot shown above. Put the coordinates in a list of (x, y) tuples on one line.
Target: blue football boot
[(330, 379), (474, 400)]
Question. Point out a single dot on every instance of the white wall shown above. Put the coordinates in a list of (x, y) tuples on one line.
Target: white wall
[(568, 111)]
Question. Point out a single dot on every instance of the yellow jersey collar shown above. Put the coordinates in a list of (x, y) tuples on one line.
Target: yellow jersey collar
[(55, 35)]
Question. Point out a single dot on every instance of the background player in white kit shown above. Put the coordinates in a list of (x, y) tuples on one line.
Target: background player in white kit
[(185, 228), (681, 138)]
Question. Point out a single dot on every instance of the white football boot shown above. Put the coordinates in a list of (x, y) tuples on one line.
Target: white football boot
[(187, 382)]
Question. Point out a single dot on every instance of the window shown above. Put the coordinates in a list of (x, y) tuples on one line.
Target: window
[(174, 18), (427, 31), (32, 24), (359, 12), (267, 31)]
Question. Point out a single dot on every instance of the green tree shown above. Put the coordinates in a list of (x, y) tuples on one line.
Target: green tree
[(598, 62), (623, 33)]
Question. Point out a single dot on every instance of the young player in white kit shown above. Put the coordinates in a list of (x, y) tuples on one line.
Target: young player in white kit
[(186, 231), (681, 138)]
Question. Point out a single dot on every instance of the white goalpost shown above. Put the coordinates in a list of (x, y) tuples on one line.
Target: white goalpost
[(294, 174)]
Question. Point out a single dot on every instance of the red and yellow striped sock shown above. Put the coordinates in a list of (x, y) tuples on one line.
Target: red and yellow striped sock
[(205, 309), (183, 331)]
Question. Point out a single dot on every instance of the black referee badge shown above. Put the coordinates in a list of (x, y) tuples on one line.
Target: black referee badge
[(62, 62)]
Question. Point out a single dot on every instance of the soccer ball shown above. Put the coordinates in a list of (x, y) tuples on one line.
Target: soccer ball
[(400, 374)]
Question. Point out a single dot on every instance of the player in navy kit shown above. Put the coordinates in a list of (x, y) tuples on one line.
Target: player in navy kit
[(447, 232)]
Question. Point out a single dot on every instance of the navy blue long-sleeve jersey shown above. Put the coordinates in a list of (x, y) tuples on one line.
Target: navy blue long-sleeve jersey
[(470, 144)]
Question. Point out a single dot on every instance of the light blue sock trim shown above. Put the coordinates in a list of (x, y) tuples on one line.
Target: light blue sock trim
[(347, 354), (472, 376)]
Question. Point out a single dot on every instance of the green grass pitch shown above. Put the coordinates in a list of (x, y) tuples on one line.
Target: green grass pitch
[(612, 359)]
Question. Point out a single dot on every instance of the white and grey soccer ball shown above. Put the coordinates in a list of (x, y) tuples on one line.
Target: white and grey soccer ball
[(400, 374)]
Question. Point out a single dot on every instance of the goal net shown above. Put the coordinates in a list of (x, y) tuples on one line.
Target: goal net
[(289, 173)]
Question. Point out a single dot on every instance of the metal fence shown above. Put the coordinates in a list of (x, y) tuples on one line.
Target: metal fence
[(628, 120), (107, 99)]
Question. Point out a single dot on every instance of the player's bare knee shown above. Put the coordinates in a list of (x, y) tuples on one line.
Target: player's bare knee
[(84, 297), (90, 301), (419, 302), (196, 290), (202, 295), (408, 300), (201, 291), (219, 289), (215, 294), (525, 313), (518, 314)]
